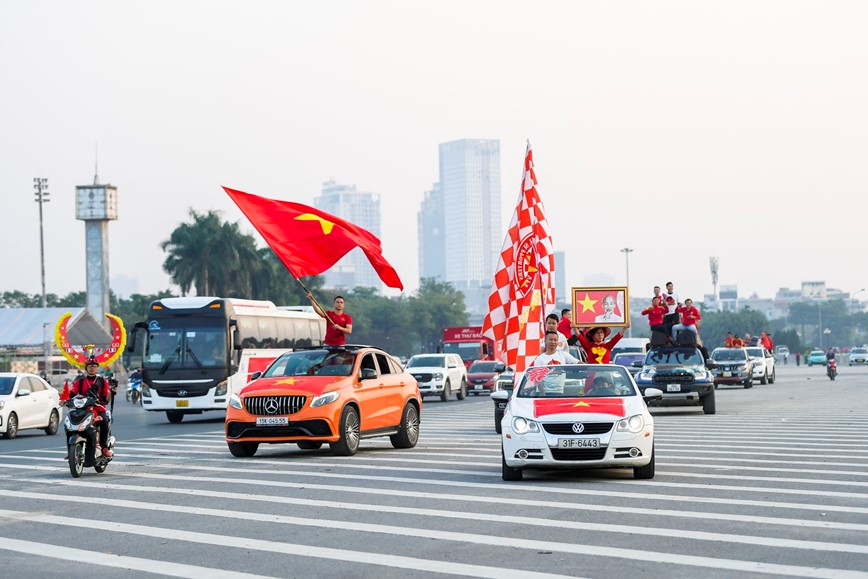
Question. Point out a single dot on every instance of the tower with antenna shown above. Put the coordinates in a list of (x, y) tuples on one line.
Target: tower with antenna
[(96, 205), (713, 262)]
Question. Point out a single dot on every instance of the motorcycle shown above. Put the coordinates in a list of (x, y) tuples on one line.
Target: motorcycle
[(82, 435), (831, 369), (134, 390)]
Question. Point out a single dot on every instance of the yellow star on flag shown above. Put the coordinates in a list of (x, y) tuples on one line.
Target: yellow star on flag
[(587, 303), (324, 223), (289, 381), (581, 403)]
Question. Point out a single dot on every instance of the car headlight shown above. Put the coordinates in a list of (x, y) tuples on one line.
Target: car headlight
[(438, 375), (324, 399), (235, 402), (222, 387), (646, 374), (633, 424), (523, 425)]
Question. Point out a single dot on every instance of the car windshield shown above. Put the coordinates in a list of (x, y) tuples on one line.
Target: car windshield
[(574, 380), (313, 363), (482, 367), (728, 355), (755, 352), (689, 356), (820, 353), (427, 362), (627, 359), (6, 385), (859, 351)]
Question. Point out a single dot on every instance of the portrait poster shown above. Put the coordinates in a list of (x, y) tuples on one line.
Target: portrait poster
[(600, 306)]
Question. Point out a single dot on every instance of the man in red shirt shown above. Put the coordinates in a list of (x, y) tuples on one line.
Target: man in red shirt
[(98, 387), (339, 324), (565, 326), (690, 317), (655, 313)]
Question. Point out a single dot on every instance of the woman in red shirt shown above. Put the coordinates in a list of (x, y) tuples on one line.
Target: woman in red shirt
[(598, 351)]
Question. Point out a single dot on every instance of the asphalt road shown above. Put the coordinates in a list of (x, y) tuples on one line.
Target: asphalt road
[(774, 484)]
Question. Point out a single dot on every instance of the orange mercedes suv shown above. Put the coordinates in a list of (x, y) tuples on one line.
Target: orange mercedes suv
[(328, 394)]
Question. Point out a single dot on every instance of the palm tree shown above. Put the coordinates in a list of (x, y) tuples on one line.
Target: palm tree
[(202, 254)]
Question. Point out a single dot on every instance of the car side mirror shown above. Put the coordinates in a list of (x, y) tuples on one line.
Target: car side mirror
[(236, 339), (501, 396), (450, 366), (500, 367), (710, 364), (23, 392), (255, 375), (652, 394), (368, 374), (638, 364)]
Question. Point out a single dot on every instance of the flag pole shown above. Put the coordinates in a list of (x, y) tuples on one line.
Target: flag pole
[(313, 299)]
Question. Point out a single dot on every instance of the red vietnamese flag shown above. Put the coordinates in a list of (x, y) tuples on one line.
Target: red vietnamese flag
[(309, 241), (613, 406)]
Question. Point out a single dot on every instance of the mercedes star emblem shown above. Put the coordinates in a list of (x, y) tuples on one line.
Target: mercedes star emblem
[(271, 405)]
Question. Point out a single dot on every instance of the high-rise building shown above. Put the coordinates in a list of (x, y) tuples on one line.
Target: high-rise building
[(468, 198), (432, 257), (362, 209), (562, 292)]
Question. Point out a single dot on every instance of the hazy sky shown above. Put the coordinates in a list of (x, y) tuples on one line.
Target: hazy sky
[(682, 130)]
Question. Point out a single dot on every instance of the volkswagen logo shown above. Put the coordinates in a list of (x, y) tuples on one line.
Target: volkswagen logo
[(182, 392), (578, 428), (271, 405)]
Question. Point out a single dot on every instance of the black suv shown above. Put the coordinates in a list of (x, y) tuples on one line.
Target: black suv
[(682, 373)]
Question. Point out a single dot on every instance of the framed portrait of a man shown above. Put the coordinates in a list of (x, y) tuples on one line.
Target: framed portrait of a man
[(600, 306)]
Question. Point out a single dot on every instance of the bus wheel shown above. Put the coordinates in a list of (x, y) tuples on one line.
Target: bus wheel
[(175, 416)]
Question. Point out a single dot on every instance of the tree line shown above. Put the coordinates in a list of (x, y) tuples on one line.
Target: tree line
[(213, 257)]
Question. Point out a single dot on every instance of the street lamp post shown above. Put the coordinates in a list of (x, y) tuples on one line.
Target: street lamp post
[(41, 186), (627, 251), (820, 323), (852, 325)]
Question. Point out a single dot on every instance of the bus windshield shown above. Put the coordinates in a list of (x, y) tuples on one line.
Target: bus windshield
[(469, 351), (186, 347)]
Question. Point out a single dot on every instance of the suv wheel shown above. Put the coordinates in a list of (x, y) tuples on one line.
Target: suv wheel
[(447, 392), (765, 379), (408, 434), (462, 391), (350, 433), (772, 378), (709, 406), (749, 382)]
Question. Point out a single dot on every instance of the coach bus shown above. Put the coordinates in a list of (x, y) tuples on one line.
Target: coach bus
[(198, 351)]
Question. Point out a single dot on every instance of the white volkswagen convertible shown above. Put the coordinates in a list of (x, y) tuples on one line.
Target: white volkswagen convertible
[(578, 416)]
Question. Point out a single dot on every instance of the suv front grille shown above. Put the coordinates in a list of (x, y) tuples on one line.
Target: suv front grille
[(673, 378), (567, 428), (274, 405), (422, 377)]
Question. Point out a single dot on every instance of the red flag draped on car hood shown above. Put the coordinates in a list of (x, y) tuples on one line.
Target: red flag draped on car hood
[(309, 241), (613, 406)]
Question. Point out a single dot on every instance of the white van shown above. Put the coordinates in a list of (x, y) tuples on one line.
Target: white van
[(631, 345)]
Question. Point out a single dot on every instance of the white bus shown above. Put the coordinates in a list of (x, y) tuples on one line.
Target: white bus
[(198, 351)]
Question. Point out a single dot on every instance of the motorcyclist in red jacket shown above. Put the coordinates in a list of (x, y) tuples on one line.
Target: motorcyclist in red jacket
[(98, 387)]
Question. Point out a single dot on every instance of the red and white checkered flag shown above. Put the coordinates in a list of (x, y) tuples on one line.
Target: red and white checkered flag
[(523, 290)]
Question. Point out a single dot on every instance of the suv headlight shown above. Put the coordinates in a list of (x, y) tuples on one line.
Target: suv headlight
[(235, 402), (324, 399), (438, 375), (633, 424), (523, 425)]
